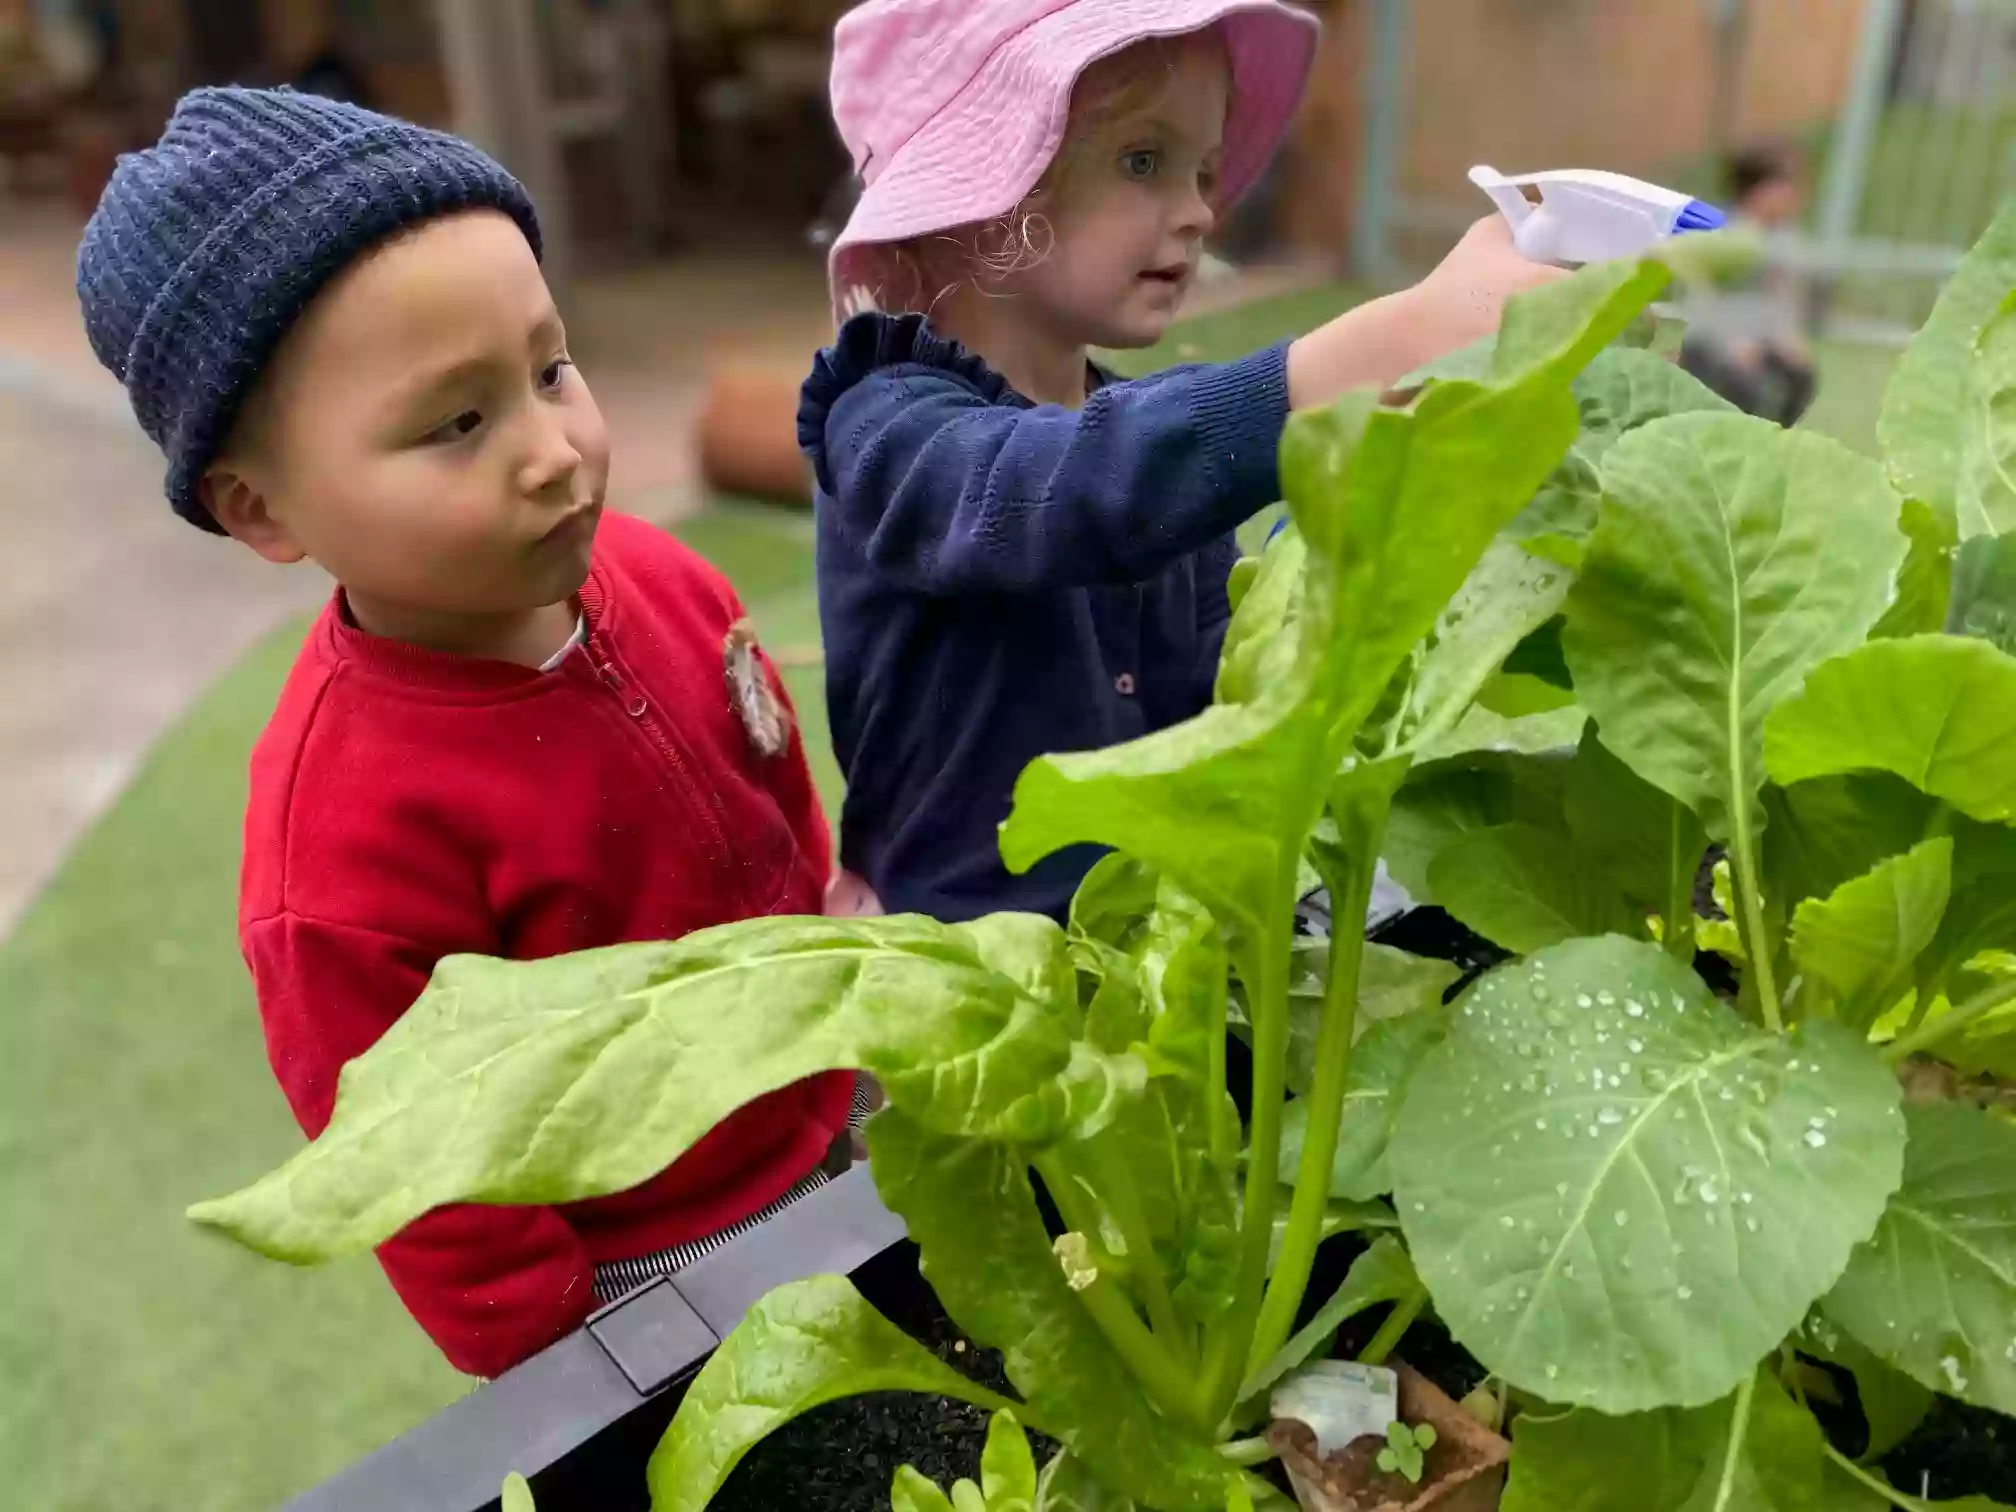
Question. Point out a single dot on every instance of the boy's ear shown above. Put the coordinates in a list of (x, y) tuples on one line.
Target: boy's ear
[(237, 502)]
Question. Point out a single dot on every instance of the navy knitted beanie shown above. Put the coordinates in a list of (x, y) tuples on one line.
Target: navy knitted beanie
[(207, 247)]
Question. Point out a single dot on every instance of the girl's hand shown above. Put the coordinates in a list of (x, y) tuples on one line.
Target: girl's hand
[(1464, 298), (848, 897), (1378, 344)]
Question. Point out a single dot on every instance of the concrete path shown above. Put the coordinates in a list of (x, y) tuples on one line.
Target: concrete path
[(114, 615)]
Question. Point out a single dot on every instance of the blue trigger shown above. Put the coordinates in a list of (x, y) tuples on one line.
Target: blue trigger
[(1699, 215)]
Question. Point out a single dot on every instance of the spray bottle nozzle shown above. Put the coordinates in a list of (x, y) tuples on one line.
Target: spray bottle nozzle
[(1585, 215)]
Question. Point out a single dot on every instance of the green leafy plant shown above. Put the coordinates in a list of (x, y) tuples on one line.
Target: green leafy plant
[(1405, 1448), (1540, 637), (1007, 1483)]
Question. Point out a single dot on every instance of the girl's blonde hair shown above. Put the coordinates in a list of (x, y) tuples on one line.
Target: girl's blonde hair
[(913, 276)]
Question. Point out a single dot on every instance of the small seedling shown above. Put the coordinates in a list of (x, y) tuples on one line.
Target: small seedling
[(1404, 1448)]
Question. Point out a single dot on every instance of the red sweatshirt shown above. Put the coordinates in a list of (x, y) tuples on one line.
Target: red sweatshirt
[(407, 805)]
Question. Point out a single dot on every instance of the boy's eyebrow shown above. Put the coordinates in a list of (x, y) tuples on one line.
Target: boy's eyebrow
[(430, 385), (433, 384)]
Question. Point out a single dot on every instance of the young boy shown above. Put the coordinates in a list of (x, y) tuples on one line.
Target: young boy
[(519, 729), (1747, 340)]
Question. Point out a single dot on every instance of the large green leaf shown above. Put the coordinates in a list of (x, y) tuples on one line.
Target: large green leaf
[(1926, 409), (1731, 557), (969, 1207), (1925, 586), (1382, 1274), (1508, 595), (1856, 948), (1619, 1192), (1640, 838), (1833, 829), (1067, 1486), (1394, 509), (1983, 599), (1937, 710), (1482, 730), (806, 1344), (1754, 1451), (1987, 496), (1623, 389), (1934, 1291), (1381, 1066), (1112, 904), (1477, 790), (1525, 888), (551, 1081), (1981, 913)]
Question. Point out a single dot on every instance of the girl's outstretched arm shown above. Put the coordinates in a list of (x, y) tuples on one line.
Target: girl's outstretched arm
[(948, 484), (1379, 343)]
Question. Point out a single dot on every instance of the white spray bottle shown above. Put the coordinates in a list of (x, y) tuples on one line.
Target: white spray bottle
[(1584, 215)]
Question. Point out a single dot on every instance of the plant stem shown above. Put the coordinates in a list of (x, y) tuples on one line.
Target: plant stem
[(1681, 871), (1228, 1341), (1750, 900), (1326, 1103), (1875, 1483), (1074, 1204), (1221, 1119), (1247, 1452), (1124, 1202), (1167, 1380), (1739, 1433), (1952, 1022), (1925, 991), (1398, 1321)]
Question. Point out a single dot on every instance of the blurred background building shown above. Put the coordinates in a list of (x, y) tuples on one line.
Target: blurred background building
[(645, 126)]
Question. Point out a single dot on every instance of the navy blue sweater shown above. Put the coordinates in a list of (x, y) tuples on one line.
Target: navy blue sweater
[(998, 580)]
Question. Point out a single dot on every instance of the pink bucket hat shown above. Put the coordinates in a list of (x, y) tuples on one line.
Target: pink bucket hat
[(953, 109)]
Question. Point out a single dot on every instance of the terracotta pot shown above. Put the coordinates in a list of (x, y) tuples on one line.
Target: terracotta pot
[(1464, 1472), (749, 435)]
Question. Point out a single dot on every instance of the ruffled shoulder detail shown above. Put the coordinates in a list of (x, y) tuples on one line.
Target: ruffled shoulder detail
[(872, 343)]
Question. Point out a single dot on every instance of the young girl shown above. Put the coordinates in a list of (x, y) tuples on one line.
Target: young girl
[(1017, 554)]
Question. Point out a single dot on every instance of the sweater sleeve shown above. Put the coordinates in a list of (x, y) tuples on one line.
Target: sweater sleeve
[(949, 484), (490, 1285)]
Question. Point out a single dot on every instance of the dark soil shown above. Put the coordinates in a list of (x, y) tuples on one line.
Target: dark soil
[(1957, 1451)]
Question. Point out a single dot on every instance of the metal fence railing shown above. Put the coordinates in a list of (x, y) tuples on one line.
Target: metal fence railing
[(1906, 110)]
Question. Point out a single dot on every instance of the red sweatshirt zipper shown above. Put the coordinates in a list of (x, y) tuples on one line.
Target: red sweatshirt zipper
[(638, 709)]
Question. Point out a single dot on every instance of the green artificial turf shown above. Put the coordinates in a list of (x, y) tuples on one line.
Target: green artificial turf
[(150, 1367)]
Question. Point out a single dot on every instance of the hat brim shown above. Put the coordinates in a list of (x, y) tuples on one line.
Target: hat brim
[(988, 150)]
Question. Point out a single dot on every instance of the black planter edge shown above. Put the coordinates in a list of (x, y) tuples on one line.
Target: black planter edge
[(625, 1370)]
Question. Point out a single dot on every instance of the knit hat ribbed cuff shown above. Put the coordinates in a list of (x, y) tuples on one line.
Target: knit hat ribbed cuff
[(206, 249)]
